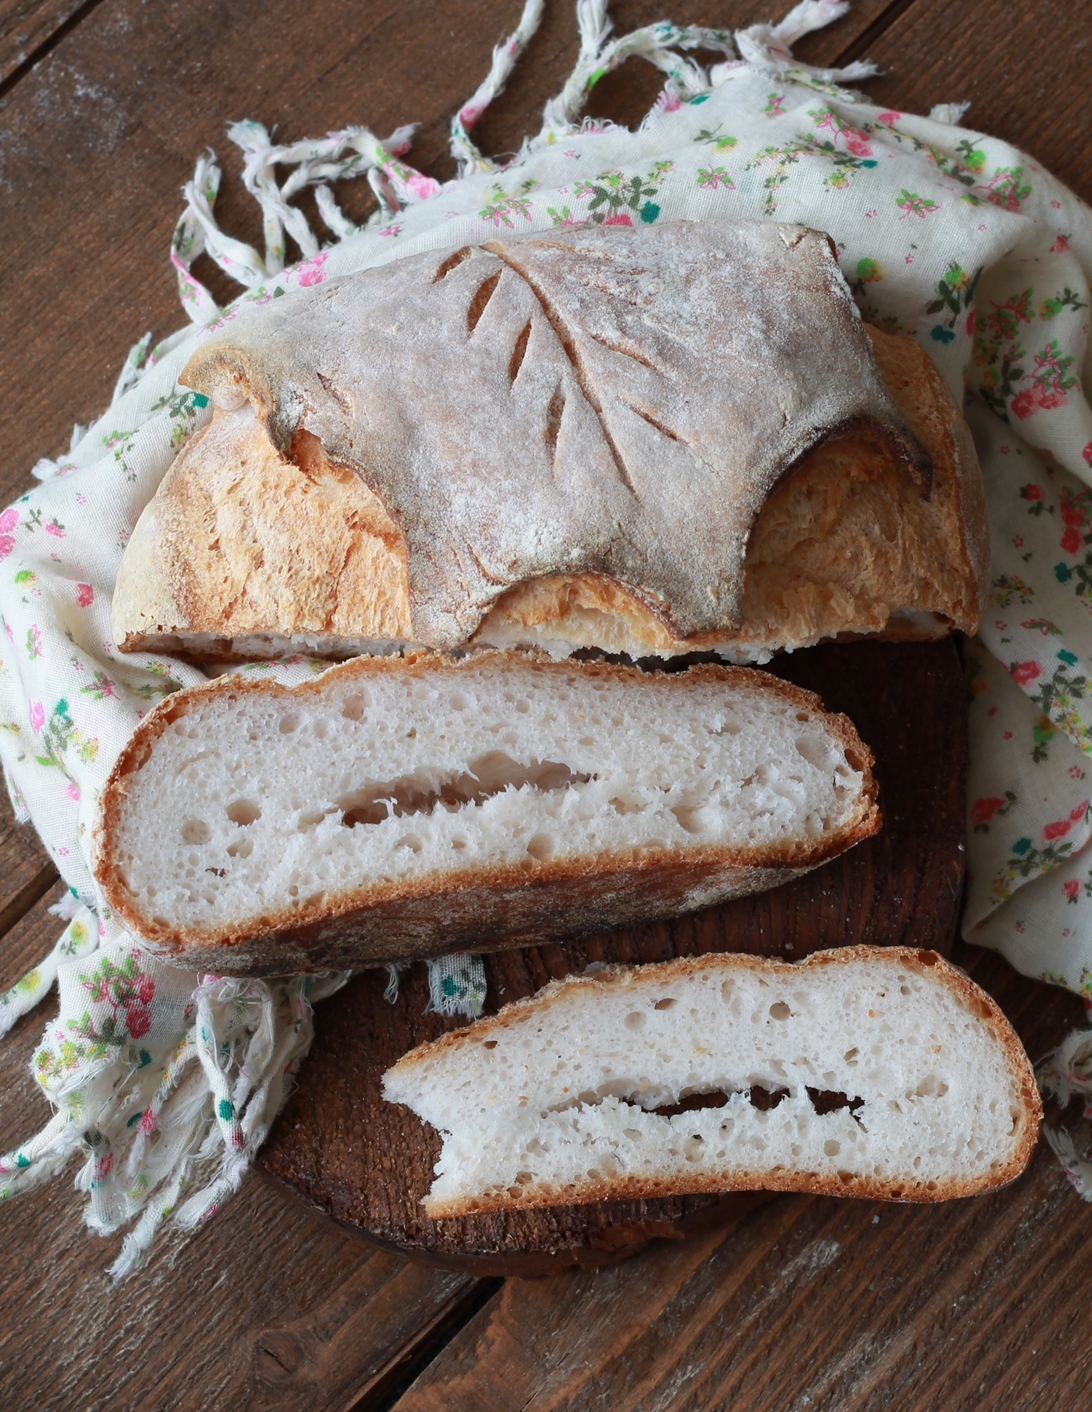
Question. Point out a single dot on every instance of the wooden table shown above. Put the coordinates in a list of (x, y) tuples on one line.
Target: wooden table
[(807, 1303)]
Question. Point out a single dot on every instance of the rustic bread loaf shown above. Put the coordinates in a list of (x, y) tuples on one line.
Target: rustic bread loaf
[(883, 1073), (643, 441), (395, 807)]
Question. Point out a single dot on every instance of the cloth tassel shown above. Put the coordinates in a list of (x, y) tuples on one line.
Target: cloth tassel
[(1063, 1075), (770, 46), (505, 56)]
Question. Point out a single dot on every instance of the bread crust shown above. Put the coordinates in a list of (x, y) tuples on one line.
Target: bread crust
[(483, 909), (653, 977), (244, 552), (602, 402)]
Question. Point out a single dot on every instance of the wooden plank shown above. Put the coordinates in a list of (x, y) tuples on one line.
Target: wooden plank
[(810, 1302), (1021, 68), (27, 26), (26, 874), (95, 152)]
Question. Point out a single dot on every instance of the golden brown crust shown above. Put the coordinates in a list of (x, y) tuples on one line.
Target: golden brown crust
[(630, 403), (654, 976), (488, 908), (843, 547)]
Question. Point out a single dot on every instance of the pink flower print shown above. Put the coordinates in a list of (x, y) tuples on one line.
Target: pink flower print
[(421, 186), (890, 117), (618, 219), (1071, 889), (1086, 454), (55, 529), (1058, 829), (1071, 541), (145, 989), (8, 520), (37, 715), (857, 143), (1023, 404), (970, 324), (72, 790), (1075, 772), (85, 595), (1018, 541), (137, 1020), (1061, 245), (470, 114), (147, 1122), (310, 272), (1031, 491), (396, 229), (983, 810), (34, 641), (1024, 673)]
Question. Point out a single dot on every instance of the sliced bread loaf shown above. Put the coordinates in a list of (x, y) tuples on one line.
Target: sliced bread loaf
[(409, 806), (865, 1071)]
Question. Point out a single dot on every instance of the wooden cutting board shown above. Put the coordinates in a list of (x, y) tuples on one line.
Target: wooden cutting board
[(367, 1163)]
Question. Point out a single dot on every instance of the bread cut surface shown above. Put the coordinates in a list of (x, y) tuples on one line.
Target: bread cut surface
[(865, 1071), (394, 807), (565, 441)]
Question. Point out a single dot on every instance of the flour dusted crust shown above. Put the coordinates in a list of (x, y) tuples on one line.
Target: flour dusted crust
[(455, 905), (566, 440), (433, 1077)]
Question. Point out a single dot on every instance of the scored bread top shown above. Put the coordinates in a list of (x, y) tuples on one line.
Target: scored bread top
[(597, 401), (871, 1071)]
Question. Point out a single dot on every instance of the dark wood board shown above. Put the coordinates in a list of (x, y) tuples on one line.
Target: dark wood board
[(367, 1163)]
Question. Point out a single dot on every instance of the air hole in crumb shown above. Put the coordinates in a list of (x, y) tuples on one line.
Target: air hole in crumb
[(692, 1147), (354, 707), (832, 1147), (458, 702), (766, 1098), (825, 1100), (634, 1020), (195, 831), (541, 846), (243, 811), (489, 1044), (243, 849), (780, 1011), (665, 1004), (288, 724), (489, 775), (410, 841)]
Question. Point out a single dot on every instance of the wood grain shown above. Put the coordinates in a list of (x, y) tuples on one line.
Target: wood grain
[(27, 26), (1016, 65), (368, 1163)]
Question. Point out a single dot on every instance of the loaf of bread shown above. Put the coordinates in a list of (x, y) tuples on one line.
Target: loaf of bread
[(882, 1073), (394, 807), (645, 441)]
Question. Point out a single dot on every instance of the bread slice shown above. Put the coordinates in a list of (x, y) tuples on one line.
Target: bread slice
[(410, 806), (648, 442), (873, 1072)]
